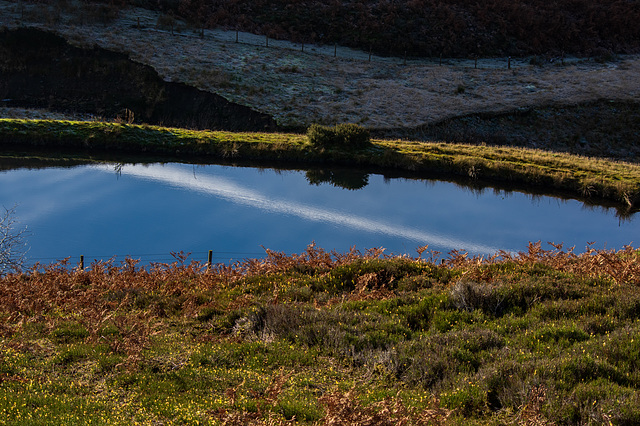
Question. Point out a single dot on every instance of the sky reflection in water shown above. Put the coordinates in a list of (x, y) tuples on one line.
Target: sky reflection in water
[(149, 211)]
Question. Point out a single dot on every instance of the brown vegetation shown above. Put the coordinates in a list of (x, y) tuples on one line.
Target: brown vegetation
[(415, 27), (430, 27)]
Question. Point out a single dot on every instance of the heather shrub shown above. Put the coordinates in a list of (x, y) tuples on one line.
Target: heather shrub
[(342, 135), (469, 296)]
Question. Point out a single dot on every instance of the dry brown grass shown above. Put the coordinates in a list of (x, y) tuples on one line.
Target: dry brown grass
[(343, 409), (530, 413), (621, 266), (106, 293)]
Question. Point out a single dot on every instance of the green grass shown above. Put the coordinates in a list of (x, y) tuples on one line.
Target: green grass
[(545, 336), (597, 180)]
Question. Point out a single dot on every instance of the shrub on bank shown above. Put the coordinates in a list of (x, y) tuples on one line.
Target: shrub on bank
[(344, 135)]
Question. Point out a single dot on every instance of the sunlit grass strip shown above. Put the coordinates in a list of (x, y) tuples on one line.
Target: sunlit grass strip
[(584, 177)]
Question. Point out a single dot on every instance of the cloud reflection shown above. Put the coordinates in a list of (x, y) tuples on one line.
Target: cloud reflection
[(50, 191), (228, 190)]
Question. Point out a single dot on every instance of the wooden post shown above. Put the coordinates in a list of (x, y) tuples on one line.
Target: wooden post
[(509, 63), (82, 262), (210, 260), (302, 49)]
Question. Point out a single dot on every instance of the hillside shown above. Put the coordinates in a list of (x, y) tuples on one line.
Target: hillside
[(42, 70), (580, 105), (429, 28)]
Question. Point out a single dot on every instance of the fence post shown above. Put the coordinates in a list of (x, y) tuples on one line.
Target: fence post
[(210, 259), (509, 63), (82, 262)]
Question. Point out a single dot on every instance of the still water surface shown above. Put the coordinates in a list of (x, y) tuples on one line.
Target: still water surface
[(149, 211)]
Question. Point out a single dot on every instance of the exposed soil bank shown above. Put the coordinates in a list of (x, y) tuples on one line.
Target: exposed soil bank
[(41, 70)]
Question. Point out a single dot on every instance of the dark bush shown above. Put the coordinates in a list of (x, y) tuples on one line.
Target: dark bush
[(322, 135), (342, 135), (353, 135)]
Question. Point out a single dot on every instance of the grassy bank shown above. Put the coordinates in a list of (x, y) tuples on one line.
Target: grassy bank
[(580, 177), (332, 339)]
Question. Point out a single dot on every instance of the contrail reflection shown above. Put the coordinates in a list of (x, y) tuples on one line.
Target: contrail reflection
[(228, 190)]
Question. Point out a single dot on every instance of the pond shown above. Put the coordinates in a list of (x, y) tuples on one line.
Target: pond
[(148, 211)]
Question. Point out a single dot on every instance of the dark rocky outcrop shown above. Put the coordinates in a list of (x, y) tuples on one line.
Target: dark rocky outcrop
[(42, 70)]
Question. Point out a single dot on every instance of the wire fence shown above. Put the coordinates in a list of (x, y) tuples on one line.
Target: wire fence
[(180, 29), (142, 20), (203, 257)]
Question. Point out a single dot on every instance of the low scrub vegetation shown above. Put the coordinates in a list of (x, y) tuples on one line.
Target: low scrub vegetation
[(538, 337), (341, 136)]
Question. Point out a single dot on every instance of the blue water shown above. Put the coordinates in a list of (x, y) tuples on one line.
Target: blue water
[(149, 211)]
